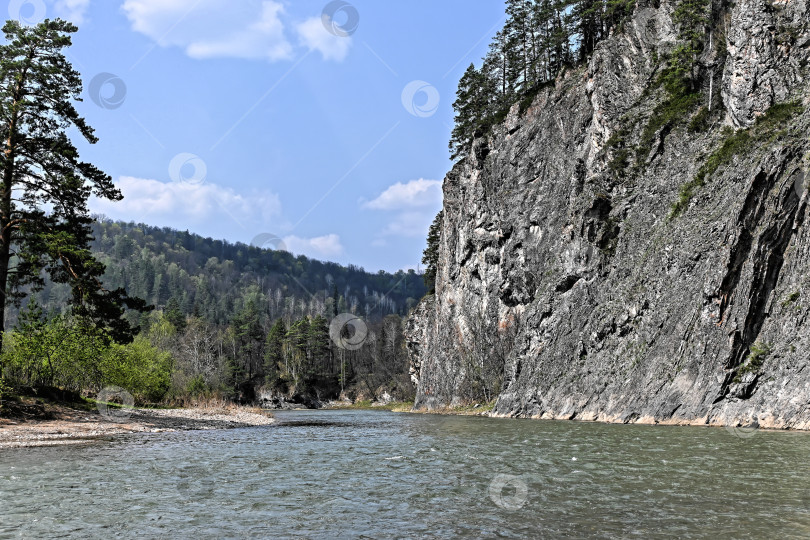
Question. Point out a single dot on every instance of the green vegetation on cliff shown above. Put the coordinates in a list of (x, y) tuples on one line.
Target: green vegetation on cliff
[(736, 143)]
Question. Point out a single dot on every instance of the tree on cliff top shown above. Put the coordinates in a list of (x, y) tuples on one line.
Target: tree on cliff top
[(41, 169)]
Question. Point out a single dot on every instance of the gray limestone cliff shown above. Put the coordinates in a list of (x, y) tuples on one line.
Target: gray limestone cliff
[(618, 310)]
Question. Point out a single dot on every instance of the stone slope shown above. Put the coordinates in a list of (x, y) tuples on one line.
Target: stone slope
[(623, 313)]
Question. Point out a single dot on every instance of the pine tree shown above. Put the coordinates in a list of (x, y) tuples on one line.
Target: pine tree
[(41, 167), (430, 257), (472, 107), (520, 37), (174, 315), (297, 340), (692, 18), (319, 343), (335, 300), (250, 338), (466, 119), (274, 350), (589, 17)]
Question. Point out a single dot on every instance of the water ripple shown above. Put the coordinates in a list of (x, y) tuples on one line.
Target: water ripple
[(349, 474)]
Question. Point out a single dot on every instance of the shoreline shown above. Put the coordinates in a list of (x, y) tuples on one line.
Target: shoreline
[(75, 426), (742, 431), (69, 426)]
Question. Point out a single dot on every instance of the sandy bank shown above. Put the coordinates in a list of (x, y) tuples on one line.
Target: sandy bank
[(72, 426)]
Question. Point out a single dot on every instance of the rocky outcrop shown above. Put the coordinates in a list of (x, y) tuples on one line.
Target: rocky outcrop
[(624, 313), (767, 44)]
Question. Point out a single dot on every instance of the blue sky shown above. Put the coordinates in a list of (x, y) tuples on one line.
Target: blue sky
[(240, 119)]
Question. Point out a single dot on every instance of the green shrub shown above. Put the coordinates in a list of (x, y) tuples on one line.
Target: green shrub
[(668, 113), (138, 367), (791, 298), (699, 122), (779, 114), (197, 387), (758, 352), (621, 154), (3, 390), (61, 352), (69, 353)]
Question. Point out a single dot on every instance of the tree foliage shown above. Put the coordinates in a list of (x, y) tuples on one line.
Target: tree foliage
[(185, 275), (66, 351), (539, 39), (430, 257), (40, 169)]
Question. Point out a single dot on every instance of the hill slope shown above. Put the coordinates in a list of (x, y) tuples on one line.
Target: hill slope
[(211, 278)]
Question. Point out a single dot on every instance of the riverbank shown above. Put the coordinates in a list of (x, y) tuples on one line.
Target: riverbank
[(64, 425), (741, 429), (393, 406)]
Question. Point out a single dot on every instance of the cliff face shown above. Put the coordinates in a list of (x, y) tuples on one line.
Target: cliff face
[(617, 311)]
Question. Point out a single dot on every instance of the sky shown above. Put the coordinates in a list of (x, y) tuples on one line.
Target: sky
[(313, 126)]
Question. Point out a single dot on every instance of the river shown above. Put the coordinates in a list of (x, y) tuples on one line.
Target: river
[(370, 474)]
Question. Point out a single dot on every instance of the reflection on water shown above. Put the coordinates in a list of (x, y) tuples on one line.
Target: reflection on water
[(327, 474)]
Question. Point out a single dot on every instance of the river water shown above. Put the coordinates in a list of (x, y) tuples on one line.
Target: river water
[(369, 474)]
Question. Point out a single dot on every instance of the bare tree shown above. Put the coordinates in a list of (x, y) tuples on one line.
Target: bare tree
[(483, 353)]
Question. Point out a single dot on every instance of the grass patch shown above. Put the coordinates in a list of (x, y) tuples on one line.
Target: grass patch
[(736, 142), (791, 298), (700, 121), (473, 409), (668, 113), (758, 353)]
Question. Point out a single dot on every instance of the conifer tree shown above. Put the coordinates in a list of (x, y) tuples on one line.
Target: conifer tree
[(250, 337), (41, 168), (430, 257), (274, 350), (174, 315), (319, 342), (470, 106), (692, 18)]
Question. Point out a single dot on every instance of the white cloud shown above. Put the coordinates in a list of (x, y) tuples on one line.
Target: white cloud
[(410, 224), (414, 205), (315, 37), (318, 247), (178, 204), (72, 10), (213, 28), (414, 194)]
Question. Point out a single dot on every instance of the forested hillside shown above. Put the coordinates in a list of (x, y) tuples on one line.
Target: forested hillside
[(159, 314), (212, 279), (229, 320)]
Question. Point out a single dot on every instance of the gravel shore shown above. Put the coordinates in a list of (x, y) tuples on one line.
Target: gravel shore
[(71, 426)]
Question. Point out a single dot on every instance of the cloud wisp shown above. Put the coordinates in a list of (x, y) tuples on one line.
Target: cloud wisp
[(212, 28), (223, 29), (319, 247), (419, 193), (413, 205), (315, 37), (177, 204)]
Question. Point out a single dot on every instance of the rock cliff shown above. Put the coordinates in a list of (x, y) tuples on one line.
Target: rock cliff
[(618, 309)]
